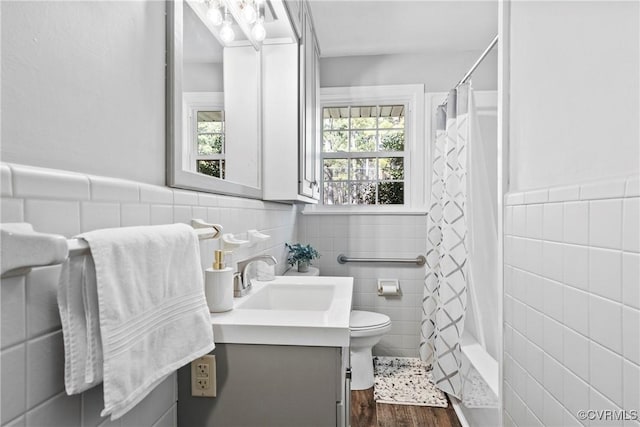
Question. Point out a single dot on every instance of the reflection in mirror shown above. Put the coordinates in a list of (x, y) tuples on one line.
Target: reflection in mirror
[(202, 86), (213, 106)]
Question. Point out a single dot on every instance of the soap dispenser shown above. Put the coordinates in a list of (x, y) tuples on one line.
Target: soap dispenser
[(218, 285)]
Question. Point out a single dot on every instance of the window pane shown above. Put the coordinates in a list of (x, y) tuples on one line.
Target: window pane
[(335, 141), (363, 140), (363, 169), (210, 127), (392, 116), (335, 170), (392, 140), (210, 144), (362, 194), (391, 193), (365, 117), (336, 193), (211, 167), (391, 168), (335, 118), (210, 121)]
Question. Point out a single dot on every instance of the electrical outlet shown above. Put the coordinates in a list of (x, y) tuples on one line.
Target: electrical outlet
[(202, 370), (203, 376)]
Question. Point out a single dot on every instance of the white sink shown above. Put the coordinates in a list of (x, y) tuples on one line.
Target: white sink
[(279, 296), (291, 310)]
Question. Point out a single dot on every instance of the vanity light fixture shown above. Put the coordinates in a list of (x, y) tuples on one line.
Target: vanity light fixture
[(213, 12), (258, 31), (248, 15), (226, 32)]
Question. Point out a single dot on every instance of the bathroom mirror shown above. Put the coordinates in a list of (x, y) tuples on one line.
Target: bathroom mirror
[(213, 105)]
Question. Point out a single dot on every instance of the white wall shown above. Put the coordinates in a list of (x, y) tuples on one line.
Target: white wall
[(202, 77), (437, 71), (572, 245), (574, 92), (83, 87)]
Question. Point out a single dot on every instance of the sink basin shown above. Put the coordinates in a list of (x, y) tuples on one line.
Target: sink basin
[(290, 297), (290, 310)]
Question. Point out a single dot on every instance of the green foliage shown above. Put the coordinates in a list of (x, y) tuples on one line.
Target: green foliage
[(298, 252), (211, 168)]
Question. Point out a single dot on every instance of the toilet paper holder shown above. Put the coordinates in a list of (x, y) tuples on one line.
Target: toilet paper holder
[(388, 287)]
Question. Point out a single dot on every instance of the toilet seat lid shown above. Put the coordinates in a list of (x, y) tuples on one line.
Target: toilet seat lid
[(367, 320)]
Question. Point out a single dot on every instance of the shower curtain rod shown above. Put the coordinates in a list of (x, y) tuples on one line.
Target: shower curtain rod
[(480, 59), (474, 66)]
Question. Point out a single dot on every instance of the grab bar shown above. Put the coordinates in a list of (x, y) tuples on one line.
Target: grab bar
[(419, 260)]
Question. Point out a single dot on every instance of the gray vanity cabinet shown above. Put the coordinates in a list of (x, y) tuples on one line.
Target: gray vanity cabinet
[(269, 385)]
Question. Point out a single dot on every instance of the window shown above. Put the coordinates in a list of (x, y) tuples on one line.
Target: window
[(372, 153), (209, 139), (363, 154)]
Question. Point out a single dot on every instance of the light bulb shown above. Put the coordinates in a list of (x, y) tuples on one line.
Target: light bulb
[(249, 13), (258, 31), (214, 15), (226, 32)]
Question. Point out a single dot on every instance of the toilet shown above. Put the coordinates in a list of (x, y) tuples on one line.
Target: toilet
[(367, 328)]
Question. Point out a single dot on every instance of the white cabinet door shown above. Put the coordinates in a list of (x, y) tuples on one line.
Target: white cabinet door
[(309, 118)]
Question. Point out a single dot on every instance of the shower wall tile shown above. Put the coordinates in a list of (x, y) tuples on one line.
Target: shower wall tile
[(582, 291), (605, 228), (631, 225), (576, 222), (67, 203)]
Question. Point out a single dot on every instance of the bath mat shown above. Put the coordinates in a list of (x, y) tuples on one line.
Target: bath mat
[(405, 381)]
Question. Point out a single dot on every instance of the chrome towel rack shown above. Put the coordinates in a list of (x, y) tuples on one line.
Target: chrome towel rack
[(23, 248), (419, 260)]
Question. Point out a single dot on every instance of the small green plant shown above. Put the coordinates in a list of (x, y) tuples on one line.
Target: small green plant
[(298, 252)]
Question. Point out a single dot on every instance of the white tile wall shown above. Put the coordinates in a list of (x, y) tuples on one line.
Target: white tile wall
[(69, 203), (579, 306), (375, 236)]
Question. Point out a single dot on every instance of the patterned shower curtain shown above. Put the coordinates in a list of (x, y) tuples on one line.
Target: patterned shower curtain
[(444, 302)]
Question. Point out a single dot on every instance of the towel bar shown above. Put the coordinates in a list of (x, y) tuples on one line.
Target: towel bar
[(419, 260), (24, 248)]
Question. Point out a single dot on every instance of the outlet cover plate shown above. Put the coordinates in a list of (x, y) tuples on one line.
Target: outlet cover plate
[(203, 376)]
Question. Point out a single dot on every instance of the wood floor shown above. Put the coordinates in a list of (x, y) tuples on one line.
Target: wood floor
[(366, 413)]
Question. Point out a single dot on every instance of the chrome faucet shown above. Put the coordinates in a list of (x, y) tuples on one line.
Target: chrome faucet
[(242, 283)]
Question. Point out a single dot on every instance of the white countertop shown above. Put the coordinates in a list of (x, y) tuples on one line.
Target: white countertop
[(287, 325)]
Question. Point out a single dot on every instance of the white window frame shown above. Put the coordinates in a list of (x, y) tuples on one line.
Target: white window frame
[(192, 103), (412, 97)]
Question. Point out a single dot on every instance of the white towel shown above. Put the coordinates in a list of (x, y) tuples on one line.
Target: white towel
[(152, 310), (78, 305)]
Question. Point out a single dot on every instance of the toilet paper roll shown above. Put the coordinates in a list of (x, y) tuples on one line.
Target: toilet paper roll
[(388, 288)]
